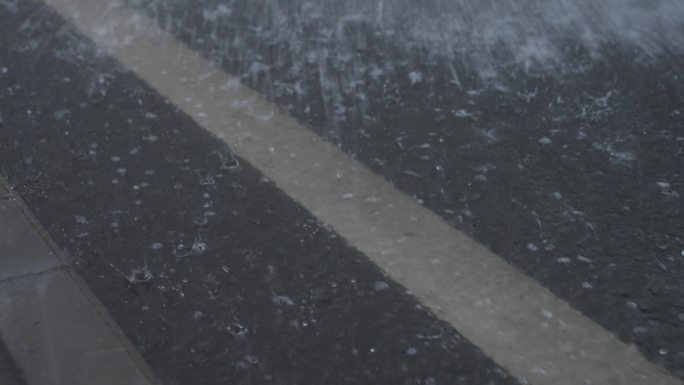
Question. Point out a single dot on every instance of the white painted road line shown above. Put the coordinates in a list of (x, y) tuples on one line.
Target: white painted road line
[(517, 322), (53, 326)]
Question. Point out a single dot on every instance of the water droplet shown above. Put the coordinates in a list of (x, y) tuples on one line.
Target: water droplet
[(415, 77), (61, 114), (251, 359), (198, 247), (139, 275), (282, 300), (237, 330), (380, 285)]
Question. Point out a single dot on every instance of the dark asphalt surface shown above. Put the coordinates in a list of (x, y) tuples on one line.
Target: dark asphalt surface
[(213, 273), (568, 163), (563, 156), (10, 374)]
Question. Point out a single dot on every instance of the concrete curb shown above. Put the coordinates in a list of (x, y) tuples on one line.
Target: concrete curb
[(54, 328)]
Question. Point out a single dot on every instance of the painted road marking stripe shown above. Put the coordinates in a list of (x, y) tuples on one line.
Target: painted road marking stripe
[(53, 326), (517, 322)]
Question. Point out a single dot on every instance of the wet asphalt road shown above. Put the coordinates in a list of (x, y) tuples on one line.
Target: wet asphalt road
[(567, 161), (10, 374), (573, 174), (248, 287)]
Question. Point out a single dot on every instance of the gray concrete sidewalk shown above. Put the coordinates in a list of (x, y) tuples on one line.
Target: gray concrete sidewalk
[(54, 329)]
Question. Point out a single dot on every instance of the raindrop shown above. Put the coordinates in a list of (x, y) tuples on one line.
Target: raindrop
[(415, 77), (237, 330), (139, 275), (207, 181), (380, 285), (282, 300), (198, 247), (61, 114), (251, 359)]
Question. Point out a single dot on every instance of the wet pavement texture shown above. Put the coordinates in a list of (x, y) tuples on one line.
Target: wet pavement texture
[(213, 273), (551, 132), (10, 374), (550, 135)]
